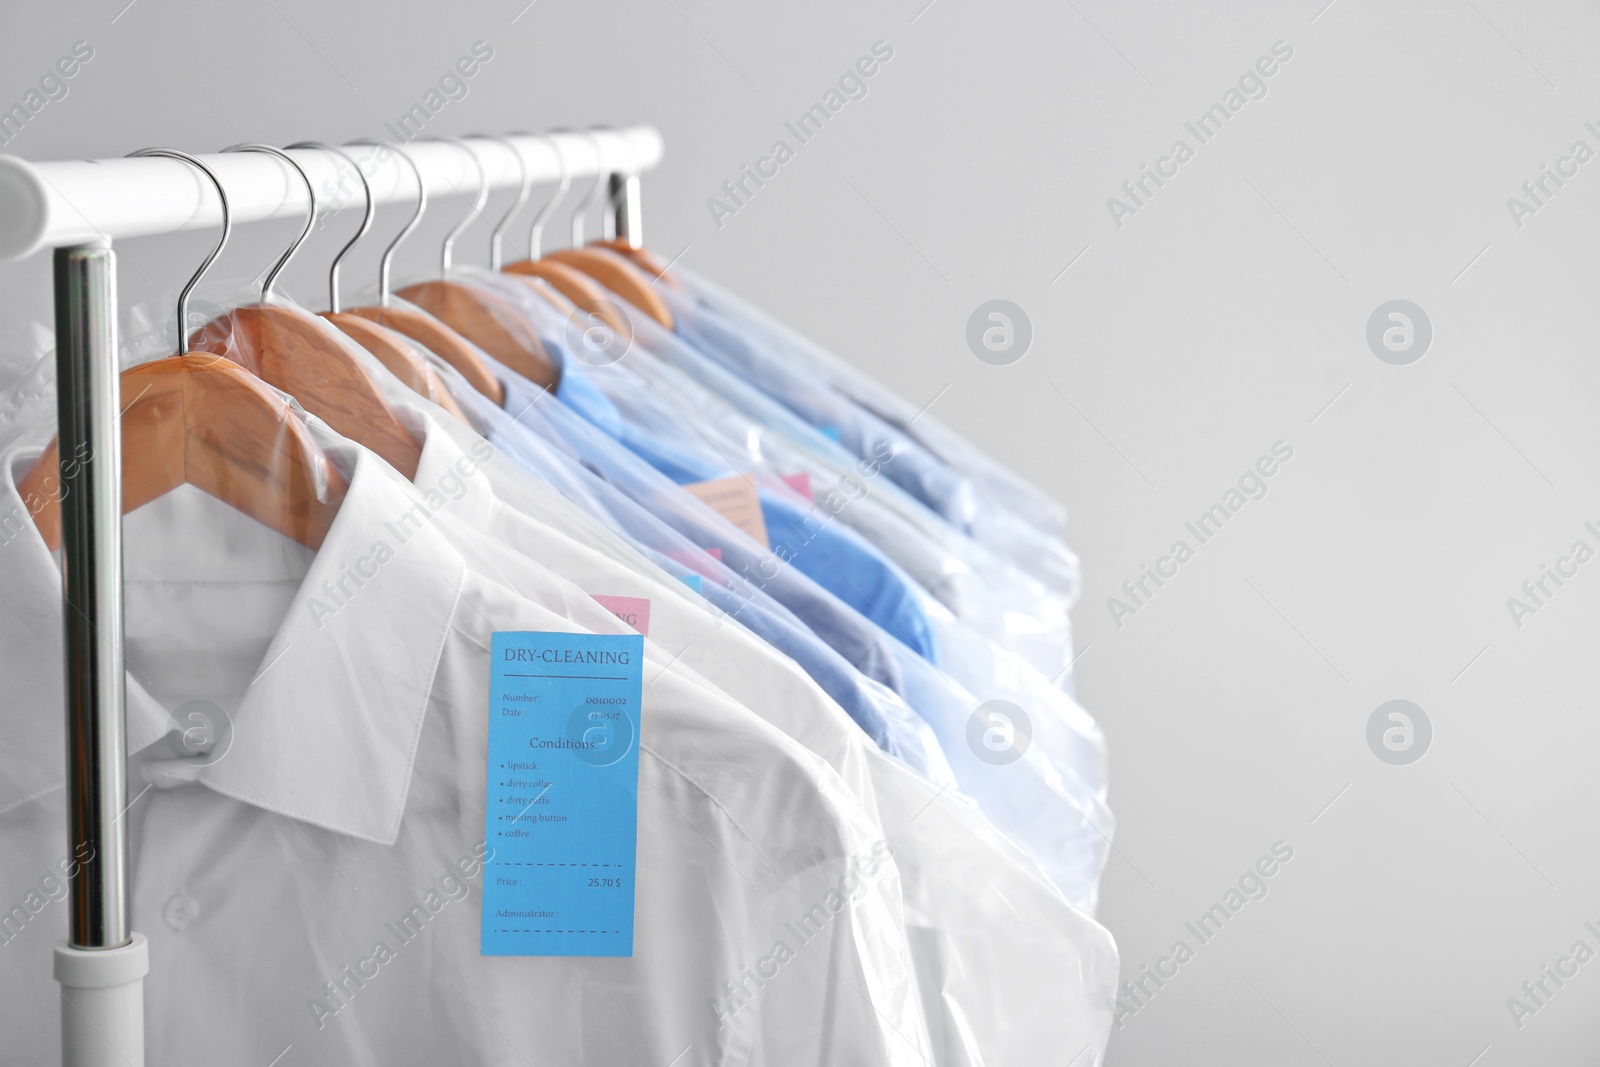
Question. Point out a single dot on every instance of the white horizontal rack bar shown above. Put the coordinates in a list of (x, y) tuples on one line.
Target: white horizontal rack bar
[(84, 202)]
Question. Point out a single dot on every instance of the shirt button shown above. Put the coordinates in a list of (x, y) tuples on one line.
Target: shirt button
[(180, 911)]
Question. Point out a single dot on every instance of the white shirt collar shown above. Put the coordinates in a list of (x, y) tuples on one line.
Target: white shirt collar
[(448, 469), (327, 730)]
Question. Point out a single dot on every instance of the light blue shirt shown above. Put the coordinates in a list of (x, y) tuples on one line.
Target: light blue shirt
[(983, 590)]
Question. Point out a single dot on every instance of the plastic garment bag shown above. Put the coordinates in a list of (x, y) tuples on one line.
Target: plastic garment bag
[(1053, 811), (1052, 803), (738, 422), (953, 959), (1018, 520), (878, 708), (994, 480), (1067, 827), (850, 633), (609, 395), (1069, 741), (994, 947), (626, 495), (918, 471)]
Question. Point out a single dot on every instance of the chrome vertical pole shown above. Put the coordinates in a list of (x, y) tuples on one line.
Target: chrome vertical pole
[(626, 222), (101, 968), (90, 441)]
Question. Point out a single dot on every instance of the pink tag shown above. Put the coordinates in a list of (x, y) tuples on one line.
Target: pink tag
[(800, 483), (633, 610), (734, 498), (715, 553)]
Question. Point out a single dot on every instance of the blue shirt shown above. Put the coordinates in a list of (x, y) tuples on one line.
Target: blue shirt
[(834, 556), (986, 592), (867, 647)]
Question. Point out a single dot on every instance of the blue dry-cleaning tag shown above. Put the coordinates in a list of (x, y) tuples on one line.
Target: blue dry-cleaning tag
[(563, 801)]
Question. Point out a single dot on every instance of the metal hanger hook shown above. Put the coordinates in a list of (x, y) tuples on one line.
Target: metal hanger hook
[(222, 242), (524, 187), (536, 230), (476, 209), (601, 174), (405, 231), (366, 218), (311, 215)]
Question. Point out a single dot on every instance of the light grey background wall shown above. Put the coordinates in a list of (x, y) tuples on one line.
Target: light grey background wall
[(1227, 313)]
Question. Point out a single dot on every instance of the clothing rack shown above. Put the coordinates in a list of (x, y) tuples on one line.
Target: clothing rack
[(79, 208)]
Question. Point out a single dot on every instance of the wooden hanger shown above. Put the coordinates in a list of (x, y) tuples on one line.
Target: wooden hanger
[(439, 339), (389, 347), (621, 277), (286, 347), (202, 421), (413, 324), (577, 288), (575, 276), (563, 287), (487, 320), (396, 352), (646, 260), (558, 300), (614, 272)]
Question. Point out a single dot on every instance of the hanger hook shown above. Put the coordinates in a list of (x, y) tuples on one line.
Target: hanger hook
[(366, 219), (227, 228), (600, 176), (405, 231), (536, 231), (524, 186), (311, 215), (477, 205)]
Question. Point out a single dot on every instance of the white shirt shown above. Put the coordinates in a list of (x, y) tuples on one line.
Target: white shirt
[(269, 882), (1010, 973)]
